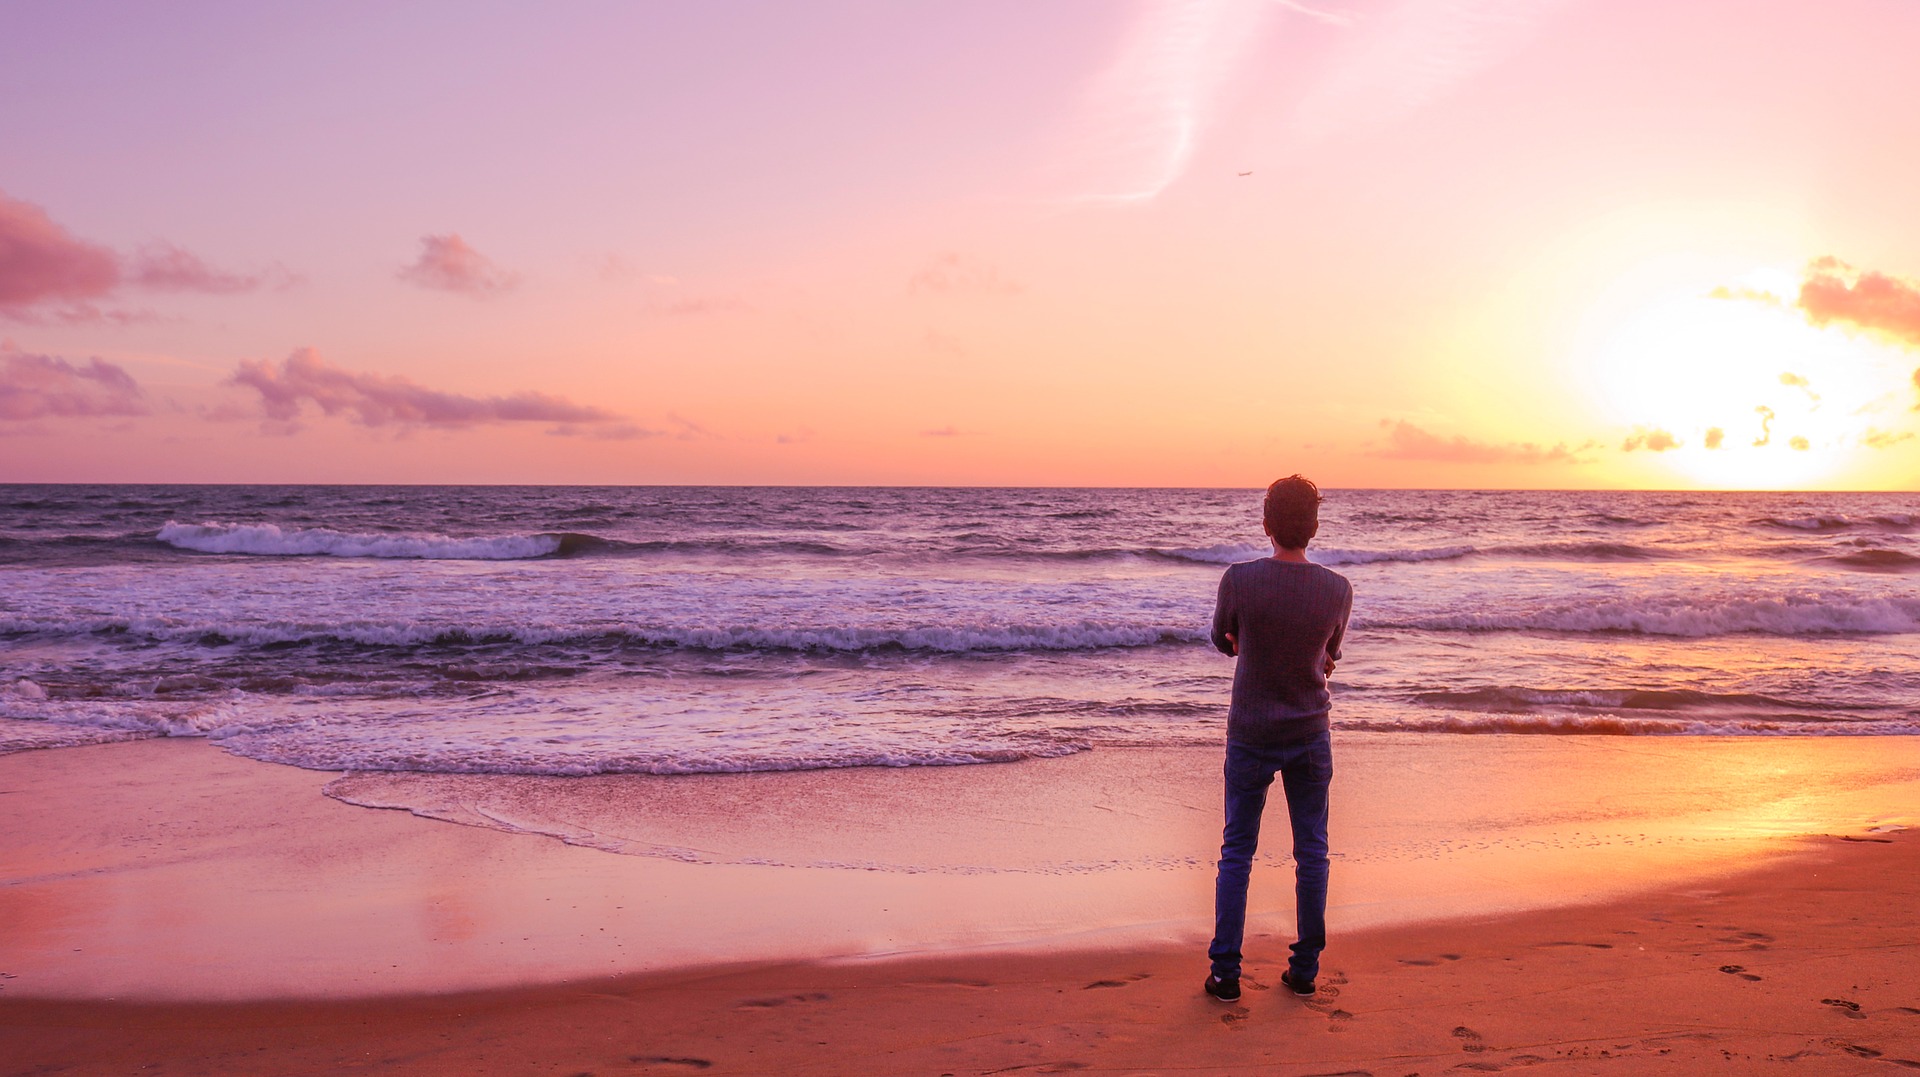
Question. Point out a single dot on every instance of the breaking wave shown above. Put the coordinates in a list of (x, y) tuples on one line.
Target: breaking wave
[(271, 540)]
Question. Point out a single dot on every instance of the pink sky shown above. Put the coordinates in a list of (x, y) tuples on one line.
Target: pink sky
[(1557, 243)]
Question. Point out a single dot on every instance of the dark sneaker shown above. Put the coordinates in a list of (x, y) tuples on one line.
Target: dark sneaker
[(1298, 987), (1224, 990)]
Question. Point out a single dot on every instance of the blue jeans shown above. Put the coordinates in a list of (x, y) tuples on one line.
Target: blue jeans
[(1305, 770)]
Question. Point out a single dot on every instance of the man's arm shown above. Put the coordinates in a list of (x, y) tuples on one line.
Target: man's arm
[(1339, 634), (1226, 627)]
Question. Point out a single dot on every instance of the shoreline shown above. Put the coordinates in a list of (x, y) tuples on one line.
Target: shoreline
[(172, 870), (1801, 965)]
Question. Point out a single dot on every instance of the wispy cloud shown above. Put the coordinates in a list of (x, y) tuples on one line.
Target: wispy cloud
[(1405, 58), (46, 386), (1405, 441), (953, 273), (377, 400), (165, 267), (447, 263), (1144, 113)]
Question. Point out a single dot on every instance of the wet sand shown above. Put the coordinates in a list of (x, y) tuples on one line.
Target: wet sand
[(1612, 904)]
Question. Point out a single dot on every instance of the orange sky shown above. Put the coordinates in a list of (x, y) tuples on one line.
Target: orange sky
[(1447, 243)]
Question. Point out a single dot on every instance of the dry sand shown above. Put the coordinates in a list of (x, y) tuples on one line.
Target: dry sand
[(166, 908)]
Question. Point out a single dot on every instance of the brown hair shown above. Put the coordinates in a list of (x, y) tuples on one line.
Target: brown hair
[(1291, 512)]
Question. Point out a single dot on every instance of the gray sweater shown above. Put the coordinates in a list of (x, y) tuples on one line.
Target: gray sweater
[(1288, 617)]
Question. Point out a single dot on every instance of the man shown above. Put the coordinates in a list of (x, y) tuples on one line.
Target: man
[(1284, 618)]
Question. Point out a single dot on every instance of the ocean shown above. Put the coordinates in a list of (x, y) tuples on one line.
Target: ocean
[(579, 630)]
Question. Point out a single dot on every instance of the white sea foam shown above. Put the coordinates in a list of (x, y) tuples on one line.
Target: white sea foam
[(1228, 553), (272, 541)]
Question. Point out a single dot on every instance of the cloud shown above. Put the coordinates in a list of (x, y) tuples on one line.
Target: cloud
[(1766, 425), (1749, 295), (1882, 439), (1655, 440), (618, 432), (165, 267), (1715, 436), (1144, 113), (1411, 55), (44, 386), (448, 264), (951, 273), (383, 400), (1799, 443), (1406, 441), (42, 262), (1834, 291)]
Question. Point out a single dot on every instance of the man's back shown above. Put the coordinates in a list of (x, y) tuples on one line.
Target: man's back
[(1287, 619)]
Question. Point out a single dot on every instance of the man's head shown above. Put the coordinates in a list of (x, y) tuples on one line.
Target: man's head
[(1291, 514)]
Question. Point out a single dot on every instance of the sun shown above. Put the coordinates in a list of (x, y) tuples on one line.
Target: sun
[(1735, 390)]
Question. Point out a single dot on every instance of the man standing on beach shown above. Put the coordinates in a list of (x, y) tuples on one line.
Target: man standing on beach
[(1284, 618)]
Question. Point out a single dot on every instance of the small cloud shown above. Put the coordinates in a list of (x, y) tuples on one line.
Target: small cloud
[(1715, 436), (952, 274), (50, 277), (942, 343), (1405, 441), (1799, 443), (620, 432), (688, 430), (42, 262), (1766, 425), (1800, 383), (376, 400), (1834, 291), (1881, 439), (1655, 440), (45, 386), (448, 264), (1750, 295), (708, 305), (165, 267)]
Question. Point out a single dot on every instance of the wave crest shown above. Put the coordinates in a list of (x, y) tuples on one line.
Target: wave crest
[(270, 540)]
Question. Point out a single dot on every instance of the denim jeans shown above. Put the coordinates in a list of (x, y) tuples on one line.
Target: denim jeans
[(1305, 770)]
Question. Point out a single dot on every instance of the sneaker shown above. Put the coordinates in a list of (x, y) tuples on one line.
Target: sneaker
[(1298, 987), (1224, 990)]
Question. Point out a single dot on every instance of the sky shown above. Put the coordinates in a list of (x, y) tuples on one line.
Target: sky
[(1558, 244)]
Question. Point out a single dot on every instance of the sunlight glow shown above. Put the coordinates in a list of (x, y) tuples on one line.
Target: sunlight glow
[(1739, 392)]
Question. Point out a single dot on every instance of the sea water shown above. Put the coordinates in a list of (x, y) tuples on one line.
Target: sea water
[(576, 630)]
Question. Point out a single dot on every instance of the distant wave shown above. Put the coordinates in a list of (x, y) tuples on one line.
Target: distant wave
[(272, 541), (947, 639), (1786, 615), (1837, 521), (1877, 561)]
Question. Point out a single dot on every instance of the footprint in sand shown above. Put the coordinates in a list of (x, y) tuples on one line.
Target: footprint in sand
[(1469, 1039), (1738, 970), (670, 1060), (1233, 1018), (1338, 1020), (1429, 961), (1846, 1006), (770, 1003), (1855, 1049), (1751, 940)]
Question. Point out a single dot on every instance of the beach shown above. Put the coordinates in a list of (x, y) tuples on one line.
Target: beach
[(1608, 904)]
